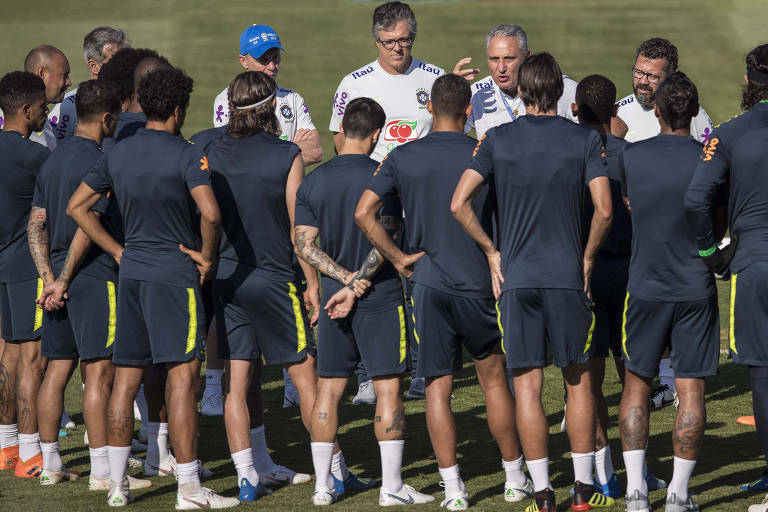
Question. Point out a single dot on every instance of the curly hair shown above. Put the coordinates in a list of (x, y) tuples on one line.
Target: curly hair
[(678, 100), (119, 69), (162, 90), (755, 92), (249, 88), (659, 48), (19, 88), (595, 97)]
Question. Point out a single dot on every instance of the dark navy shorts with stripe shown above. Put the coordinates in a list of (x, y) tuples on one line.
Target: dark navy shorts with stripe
[(748, 336), (22, 319), (609, 288), (85, 327)]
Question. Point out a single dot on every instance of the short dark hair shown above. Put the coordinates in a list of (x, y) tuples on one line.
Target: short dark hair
[(678, 100), (386, 16), (95, 97), (754, 92), (595, 98), (162, 90), (362, 117), (119, 69), (659, 48), (245, 119), (450, 96), (19, 88), (540, 81)]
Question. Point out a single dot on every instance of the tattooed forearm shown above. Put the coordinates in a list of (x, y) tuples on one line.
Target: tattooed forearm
[(304, 240), (634, 428), (374, 261), (687, 434), (37, 235)]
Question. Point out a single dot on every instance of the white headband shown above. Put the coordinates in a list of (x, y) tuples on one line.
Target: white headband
[(257, 104)]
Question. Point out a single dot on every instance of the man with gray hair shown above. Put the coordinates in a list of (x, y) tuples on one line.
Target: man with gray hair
[(494, 98), (99, 45)]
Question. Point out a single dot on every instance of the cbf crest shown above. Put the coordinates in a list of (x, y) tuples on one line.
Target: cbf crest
[(286, 112), (422, 97)]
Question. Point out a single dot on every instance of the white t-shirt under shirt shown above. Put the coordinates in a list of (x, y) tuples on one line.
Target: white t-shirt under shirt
[(290, 108), (403, 97), (492, 107), (642, 124)]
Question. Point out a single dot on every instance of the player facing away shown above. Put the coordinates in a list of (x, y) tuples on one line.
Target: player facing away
[(374, 331), (594, 107), (541, 271), (736, 154), (453, 299), (23, 99), (157, 177), (671, 301)]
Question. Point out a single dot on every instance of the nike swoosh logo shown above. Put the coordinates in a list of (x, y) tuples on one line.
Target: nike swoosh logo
[(160, 470), (207, 503), (408, 501)]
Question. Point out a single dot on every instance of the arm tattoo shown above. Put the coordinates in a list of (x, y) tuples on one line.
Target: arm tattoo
[(37, 236), (78, 249), (313, 255), (374, 261)]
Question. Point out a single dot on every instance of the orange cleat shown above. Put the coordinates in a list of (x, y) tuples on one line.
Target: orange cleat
[(30, 468), (8, 457), (746, 420)]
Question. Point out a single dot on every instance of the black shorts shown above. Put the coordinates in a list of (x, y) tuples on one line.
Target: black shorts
[(444, 322), (158, 323), (690, 330), (748, 336), (376, 338), (85, 327), (531, 316), (609, 288), (258, 317), (22, 319)]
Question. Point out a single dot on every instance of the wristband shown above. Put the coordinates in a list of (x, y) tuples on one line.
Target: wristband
[(708, 252)]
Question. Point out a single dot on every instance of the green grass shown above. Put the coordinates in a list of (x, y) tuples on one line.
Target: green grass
[(329, 38)]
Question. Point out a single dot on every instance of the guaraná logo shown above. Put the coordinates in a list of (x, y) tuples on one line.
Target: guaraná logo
[(401, 130)]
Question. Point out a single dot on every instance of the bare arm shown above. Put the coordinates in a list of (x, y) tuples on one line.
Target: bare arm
[(37, 236), (600, 190), (210, 231), (374, 261), (79, 209), (311, 147), (305, 246), (338, 137), (56, 293)]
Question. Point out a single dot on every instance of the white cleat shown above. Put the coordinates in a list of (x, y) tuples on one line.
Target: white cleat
[(102, 484), (455, 502), (407, 495), (365, 394), (514, 491), (66, 421), (166, 467), (202, 497), (119, 495), (136, 411), (135, 462), (323, 496), (51, 477), (281, 475), (85, 439)]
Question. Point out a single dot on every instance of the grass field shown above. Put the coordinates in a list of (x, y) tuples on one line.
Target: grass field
[(326, 39)]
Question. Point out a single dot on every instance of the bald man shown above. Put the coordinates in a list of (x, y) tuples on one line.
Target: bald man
[(50, 64)]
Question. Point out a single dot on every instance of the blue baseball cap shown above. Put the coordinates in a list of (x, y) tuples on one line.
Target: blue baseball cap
[(257, 39)]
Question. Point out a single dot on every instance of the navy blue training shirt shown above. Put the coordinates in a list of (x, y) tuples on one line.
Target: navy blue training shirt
[(152, 173), (128, 123), (206, 137), (327, 199), (424, 174), (249, 179), (539, 165), (59, 177), (19, 168), (665, 264), (736, 153)]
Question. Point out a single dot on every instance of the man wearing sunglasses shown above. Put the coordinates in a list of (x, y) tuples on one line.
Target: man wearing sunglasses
[(656, 59)]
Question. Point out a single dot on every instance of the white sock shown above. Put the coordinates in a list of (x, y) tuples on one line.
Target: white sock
[(261, 458), (603, 464), (99, 462), (514, 470), (322, 453), (667, 374), (118, 462), (157, 442), (243, 461), (391, 464), (51, 456), (452, 480), (680, 477), (339, 466), (141, 401), (539, 471), (582, 467), (187, 473), (29, 445), (9, 435), (634, 462)]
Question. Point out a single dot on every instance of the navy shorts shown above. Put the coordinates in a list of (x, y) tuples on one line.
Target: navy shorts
[(258, 317), (376, 338), (690, 330), (444, 322), (748, 334), (158, 323), (609, 288), (22, 319), (531, 316), (85, 326)]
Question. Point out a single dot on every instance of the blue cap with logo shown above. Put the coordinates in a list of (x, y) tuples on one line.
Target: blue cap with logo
[(257, 39)]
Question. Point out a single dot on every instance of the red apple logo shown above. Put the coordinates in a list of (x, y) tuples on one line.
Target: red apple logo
[(400, 130)]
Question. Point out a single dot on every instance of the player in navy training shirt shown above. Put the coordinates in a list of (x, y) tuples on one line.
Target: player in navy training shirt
[(671, 299), (541, 274), (736, 154), (453, 300), (158, 178), (22, 98)]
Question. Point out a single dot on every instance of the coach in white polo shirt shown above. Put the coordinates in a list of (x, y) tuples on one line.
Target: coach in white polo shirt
[(260, 51), (396, 80), (494, 98)]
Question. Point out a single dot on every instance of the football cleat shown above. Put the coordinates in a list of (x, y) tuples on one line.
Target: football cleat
[(585, 497), (514, 491), (51, 477), (653, 483), (761, 484), (66, 421), (29, 469), (202, 497), (675, 504), (281, 475), (612, 488), (407, 495), (166, 467), (325, 496), (119, 495), (637, 502), (9, 457), (459, 501), (365, 394), (356, 483), (249, 492), (662, 396), (543, 501), (102, 484)]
